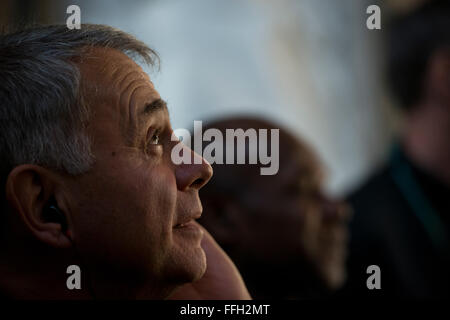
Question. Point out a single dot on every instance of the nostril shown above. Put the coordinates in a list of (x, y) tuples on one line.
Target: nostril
[(198, 183)]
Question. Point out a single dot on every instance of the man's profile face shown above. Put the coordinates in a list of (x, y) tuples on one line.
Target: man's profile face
[(127, 211)]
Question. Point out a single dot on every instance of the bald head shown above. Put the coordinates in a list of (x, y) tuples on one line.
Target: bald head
[(276, 222), (234, 179)]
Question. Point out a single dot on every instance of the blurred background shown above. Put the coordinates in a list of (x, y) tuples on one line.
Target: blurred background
[(312, 66)]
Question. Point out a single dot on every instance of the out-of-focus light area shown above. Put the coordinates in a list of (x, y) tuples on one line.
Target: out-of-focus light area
[(312, 66)]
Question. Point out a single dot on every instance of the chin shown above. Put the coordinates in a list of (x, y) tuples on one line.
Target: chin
[(199, 269), (187, 267)]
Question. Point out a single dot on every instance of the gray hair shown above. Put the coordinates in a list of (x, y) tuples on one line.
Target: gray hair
[(43, 114)]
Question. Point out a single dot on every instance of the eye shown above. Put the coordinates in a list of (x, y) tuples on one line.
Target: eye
[(154, 139)]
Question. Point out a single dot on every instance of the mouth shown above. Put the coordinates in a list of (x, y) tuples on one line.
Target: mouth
[(183, 225), (188, 230), (187, 222)]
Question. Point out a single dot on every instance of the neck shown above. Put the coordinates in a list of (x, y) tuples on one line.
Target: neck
[(426, 139), (29, 276), (36, 274)]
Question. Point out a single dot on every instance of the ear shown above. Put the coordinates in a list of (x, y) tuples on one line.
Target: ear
[(29, 188), (439, 76)]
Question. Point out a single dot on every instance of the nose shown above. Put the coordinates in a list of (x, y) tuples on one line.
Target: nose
[(193, 175)]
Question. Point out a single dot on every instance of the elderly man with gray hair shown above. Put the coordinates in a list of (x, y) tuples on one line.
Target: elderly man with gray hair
[(87, 179)]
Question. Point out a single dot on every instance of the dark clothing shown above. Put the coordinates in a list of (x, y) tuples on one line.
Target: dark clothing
[(388, 230)]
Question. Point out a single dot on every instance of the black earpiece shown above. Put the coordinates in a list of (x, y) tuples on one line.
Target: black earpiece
[(52, 213)]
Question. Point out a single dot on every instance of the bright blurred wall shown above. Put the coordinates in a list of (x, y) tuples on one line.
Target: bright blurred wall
[(310, 65)]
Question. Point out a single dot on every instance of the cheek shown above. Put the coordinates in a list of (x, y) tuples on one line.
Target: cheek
[(125, 216), (158, 195)]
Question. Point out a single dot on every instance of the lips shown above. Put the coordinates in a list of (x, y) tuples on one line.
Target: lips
[(182, 225), (185, 222)]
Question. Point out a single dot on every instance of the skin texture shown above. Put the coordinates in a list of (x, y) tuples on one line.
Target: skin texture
[(123, 215), (134, 188), (282, 224), (221, 281)]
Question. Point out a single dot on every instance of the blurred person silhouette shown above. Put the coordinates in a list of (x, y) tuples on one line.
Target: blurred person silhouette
[(287, 238), (401, 221)]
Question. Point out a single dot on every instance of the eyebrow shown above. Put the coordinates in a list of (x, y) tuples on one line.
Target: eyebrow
[(158, 104), (143, 114)]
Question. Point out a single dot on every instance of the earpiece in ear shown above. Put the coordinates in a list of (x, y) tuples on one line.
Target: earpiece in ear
[(52, 213)]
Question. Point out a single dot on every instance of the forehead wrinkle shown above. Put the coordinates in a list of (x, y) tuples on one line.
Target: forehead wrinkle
[(112, 75), (126, 94), (120, 83), (128, 79), (121, 77), (133, 119)]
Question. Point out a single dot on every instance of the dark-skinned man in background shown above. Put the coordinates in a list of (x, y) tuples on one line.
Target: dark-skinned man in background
[(286, 236)]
